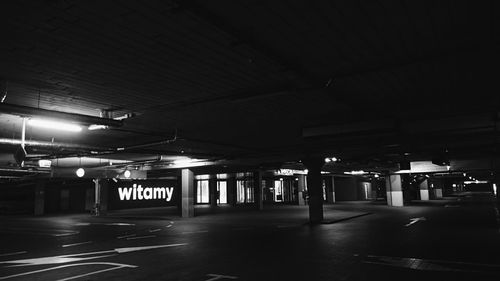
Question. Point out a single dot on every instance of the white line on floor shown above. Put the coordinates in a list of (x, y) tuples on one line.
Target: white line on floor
[(141, 237), (76, 244), (12, 254), (192, 232), (66, 234), (126, 236), (155, 230), (117, 266)]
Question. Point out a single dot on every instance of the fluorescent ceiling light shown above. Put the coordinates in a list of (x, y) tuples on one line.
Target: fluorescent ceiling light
[(97, 127), (361, 172), (54, 125)]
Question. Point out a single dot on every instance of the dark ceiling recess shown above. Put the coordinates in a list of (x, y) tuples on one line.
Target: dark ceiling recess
[(254, 82)]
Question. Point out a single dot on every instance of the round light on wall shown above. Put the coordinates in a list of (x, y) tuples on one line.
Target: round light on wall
[(126, 174), (80, 172)]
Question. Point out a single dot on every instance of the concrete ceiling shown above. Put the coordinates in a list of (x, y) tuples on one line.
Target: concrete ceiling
[(257, 82)]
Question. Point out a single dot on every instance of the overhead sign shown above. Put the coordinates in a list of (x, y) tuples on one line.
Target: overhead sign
[(137, 192), (125, 194), (287, 172)]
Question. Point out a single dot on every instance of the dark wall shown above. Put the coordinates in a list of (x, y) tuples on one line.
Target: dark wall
[(66, 195), (346, 189), (17, 198)]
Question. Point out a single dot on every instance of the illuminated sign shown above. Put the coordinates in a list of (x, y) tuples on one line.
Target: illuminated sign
[(137, 192), (288, 172)]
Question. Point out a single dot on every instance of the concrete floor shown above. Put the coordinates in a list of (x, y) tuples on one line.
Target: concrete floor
[(439, 240)]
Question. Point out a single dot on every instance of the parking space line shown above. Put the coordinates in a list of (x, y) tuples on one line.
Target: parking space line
[(141, 237), (14, 253), (155, 230), (218, 277), (192, 232), (66, 234), (117, 266), (126, 236), (76, 244)]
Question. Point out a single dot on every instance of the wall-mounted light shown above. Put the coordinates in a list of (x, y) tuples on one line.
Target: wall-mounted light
[(54, 125), (126, 174)]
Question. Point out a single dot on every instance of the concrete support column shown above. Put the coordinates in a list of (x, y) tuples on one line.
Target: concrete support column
[(187, 193), (330, 189), (212, 190), (257, 189), (302, 189), (394, 190), (39, 198), (315, 188), (437, 189), (424, 190), (231, 190), (97, 197), (269, 194)]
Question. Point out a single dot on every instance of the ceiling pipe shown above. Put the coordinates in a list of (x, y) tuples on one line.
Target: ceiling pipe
[(48, 144), (26, 111), (162, 142)]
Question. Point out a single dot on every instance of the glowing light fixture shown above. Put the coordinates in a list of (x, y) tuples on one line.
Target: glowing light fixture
[(184, 161), (495, 188), (361, 172), (80, 172), (54, 125), (331, 159), (97, 127), (126, 174)]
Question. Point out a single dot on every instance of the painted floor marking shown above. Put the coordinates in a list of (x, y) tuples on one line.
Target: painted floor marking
[(141, 237), (168, 226), (76, 244), (432, 265), (66, 234), (155, 230), (126, 236), (192, 232), (35, 231), (415, 220), (218, 277), (116, 266), (83, 256), (13, 254), (100, 223)]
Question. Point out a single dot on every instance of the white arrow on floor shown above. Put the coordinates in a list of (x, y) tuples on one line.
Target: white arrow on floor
[(415, 220), (83, 256)]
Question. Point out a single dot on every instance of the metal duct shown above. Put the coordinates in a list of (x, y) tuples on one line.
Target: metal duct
[(40, 112), (54, 145)]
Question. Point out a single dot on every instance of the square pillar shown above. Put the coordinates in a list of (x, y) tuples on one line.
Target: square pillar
[(394, 190), (187, 178), (315, 188), (301, 190), (231, 189), (437, 186), (39, 198), (257, 189), (212, 191), (424, 190), (330, 189)]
